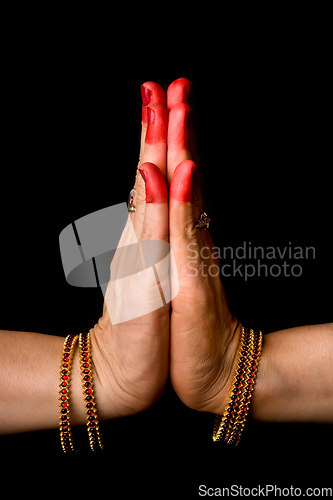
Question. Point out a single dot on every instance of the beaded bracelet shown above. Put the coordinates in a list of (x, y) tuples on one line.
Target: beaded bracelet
[(94, 434), (222, 425), (248, 386), (65, 373), (229, 427)]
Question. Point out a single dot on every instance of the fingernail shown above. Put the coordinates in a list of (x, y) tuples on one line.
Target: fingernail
[(150, 198), (156, 190), (146, 95), (143, 174), (150, 115)]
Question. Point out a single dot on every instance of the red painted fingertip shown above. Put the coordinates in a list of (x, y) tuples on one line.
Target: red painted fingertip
[(181, 182), (151, 93), (157, 119), (156, 189), (179, 125), (179, 91)]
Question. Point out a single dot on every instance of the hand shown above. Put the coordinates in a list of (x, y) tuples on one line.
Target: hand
[(130, 343), (204, 335)]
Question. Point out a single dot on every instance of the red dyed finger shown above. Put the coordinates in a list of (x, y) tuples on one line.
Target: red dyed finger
[(178, 137), (181, 183), (151, 93), (156, 189), (154, 147), (178, 91), (157, 115)]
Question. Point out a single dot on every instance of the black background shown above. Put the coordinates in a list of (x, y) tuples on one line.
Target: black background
[(71, 135)]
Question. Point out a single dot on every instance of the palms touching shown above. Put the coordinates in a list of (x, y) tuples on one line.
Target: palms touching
[(132, 357)]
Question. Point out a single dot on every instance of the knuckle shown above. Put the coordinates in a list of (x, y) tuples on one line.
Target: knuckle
[(147, 232), (191, 233)]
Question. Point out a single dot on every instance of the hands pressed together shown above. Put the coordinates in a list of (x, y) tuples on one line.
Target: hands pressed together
[(166, 314), (194, 338)]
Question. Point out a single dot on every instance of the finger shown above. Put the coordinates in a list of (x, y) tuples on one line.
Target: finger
[(178, 132), (151, 93), (155, 230), (155, 145), (178, 137), (178, 91), (154, 152)]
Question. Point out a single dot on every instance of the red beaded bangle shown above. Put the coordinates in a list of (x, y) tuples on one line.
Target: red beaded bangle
[(248, 386), (229, 427), (65, 373), (223, 425), (95, 437)]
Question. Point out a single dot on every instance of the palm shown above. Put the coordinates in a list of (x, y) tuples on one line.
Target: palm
[(201, 323), (131, 339)]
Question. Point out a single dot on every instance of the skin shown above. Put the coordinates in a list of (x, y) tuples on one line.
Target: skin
[(131, 358), (294, 381)]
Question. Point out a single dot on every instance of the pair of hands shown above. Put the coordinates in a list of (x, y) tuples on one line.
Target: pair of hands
[(197, 342)]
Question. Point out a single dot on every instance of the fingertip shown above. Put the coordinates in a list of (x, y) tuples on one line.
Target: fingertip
[(181, 182), (178, 92), (156, 189), (152, 93)]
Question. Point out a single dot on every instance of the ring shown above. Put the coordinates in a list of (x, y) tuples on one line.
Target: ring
[(130, 205), (203, 222)]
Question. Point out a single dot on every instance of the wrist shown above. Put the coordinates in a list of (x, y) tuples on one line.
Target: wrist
[(103, 374), (128, 381), (231, 340)]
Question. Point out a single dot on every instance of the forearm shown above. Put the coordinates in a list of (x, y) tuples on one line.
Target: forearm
[(295, 381), (29, 367)]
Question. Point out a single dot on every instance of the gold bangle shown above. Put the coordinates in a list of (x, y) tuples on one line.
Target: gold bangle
[(65, 373), (248, 387), (223, 425), (229, 427), (94, 434)]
